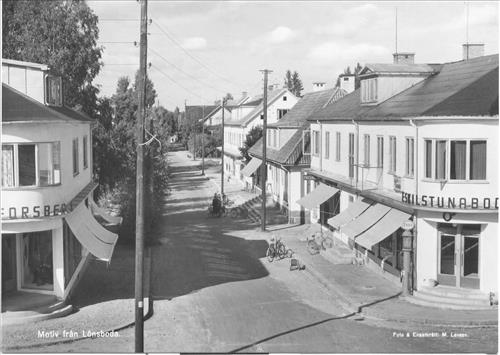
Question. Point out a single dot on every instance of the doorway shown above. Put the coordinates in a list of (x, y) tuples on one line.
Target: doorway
[(458, 264)]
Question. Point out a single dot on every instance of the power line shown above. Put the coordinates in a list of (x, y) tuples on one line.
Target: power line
[(173, 80), (187, 74), (170, 36)]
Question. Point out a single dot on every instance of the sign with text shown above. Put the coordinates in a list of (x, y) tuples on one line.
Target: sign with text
[(473, 203)]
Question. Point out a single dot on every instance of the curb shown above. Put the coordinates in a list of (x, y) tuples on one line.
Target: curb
[(148, 309), (350, 306)]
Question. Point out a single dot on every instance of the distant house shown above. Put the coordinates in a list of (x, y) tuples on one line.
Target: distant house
[(244, 118), (285, 156), (415, 142), (48, 227)]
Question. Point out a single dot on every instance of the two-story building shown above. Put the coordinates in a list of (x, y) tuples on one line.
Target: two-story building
[(48, 225), (244, 118), (416, 142), (285, 159)]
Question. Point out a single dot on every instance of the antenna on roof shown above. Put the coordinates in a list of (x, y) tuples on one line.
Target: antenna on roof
[(396, 30)]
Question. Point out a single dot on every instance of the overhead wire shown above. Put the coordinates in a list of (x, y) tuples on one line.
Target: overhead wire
[(174, 81)]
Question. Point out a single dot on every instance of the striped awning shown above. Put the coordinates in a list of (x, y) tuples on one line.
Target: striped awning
[(93, 236), (365, 220), (352, 212), (382, 229), (319, 195), (251, 167)]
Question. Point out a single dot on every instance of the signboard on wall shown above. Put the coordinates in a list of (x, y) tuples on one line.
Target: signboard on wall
[(461, 202), (26, 212)]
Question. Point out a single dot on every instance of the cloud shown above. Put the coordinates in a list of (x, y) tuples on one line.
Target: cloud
[(328, 53), (281, 34), (194, 43)]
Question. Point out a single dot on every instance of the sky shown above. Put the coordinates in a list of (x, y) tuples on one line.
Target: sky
[(201, 50)]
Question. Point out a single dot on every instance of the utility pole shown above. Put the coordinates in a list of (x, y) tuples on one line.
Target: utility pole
[(139, 223), (264, 151), (222, 158), (203, 141)]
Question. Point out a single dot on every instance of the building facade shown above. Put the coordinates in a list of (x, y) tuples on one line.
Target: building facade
[(48, 226), (416, 142)]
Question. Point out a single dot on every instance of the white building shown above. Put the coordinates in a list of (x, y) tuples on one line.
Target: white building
[(247, 116), (48, 227), (284, 152), (417, 142)]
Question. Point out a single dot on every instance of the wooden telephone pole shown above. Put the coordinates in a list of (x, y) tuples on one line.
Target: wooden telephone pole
[(264, 151), (140, 188)]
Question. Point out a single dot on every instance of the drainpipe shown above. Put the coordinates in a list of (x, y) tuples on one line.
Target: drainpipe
[(356, 160), (416, 176)]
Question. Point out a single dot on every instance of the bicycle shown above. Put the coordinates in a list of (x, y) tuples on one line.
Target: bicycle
[(277, 249), (318, 242)]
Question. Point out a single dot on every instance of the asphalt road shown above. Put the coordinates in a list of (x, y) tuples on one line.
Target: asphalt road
[(214, 291)]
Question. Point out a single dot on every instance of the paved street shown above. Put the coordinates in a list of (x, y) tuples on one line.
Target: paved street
[(215, 292)]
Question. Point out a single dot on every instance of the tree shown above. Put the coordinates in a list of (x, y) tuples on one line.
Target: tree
[(61, 34), (293, 83), (252, 137)]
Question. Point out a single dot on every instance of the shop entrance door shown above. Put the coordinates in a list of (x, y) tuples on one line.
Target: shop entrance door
[(9, 269), (459, 256)]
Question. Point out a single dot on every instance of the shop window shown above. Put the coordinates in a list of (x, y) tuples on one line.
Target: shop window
[(410, 156), (27, 165), (76, 168), (327, 145), (37, 263), (85, 152), (72, 253), (478, 160), (337, 148)]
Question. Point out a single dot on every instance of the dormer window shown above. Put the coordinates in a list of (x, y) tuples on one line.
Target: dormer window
[(369, 89), (53, 93)]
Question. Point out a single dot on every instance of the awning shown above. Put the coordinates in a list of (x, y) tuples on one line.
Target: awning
[(383, 228), (250, 168), (319, 195), (104, 214), (94, 237), (365, 220), (353, 211)]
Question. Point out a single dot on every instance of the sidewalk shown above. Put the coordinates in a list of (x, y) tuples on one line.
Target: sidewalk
[(360, 290)]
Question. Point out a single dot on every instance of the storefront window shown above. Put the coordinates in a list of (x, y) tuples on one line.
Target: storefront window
[(27, 165), (478, 160), (458, 160), (37, 260), (49, 166)]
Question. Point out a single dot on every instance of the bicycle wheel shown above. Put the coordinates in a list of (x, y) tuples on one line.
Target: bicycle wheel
[(270, 254), (234, 213), (281, 251)]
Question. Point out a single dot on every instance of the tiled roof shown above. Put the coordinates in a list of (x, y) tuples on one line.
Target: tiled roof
[(17, 107), (272, 96), (465, 88)]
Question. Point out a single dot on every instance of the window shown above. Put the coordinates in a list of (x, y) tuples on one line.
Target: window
[(284, 98), (410, 157), (392, 154), (53, 95), (380, 152), (337, 148), (281, 113), (85, 152), (76, 168), (457, 159), (351, 155), (315, 142), (327, 145), (367, 149), (36, 164), (306, 140), (369, 90)]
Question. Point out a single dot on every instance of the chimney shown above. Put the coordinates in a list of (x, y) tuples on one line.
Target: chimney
[(404, 58), (472, 50), (244, 94), (347, 82), (318, 86)]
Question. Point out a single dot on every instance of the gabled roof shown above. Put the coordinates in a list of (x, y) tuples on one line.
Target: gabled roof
[(272, 97), (18, 107), (465, 88)]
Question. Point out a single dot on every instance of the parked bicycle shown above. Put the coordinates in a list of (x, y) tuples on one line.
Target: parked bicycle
[(318, 242), (277, 250)]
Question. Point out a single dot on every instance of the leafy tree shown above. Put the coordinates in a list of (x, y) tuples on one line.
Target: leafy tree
[(293, 83), (252, 137), (61, 34)]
